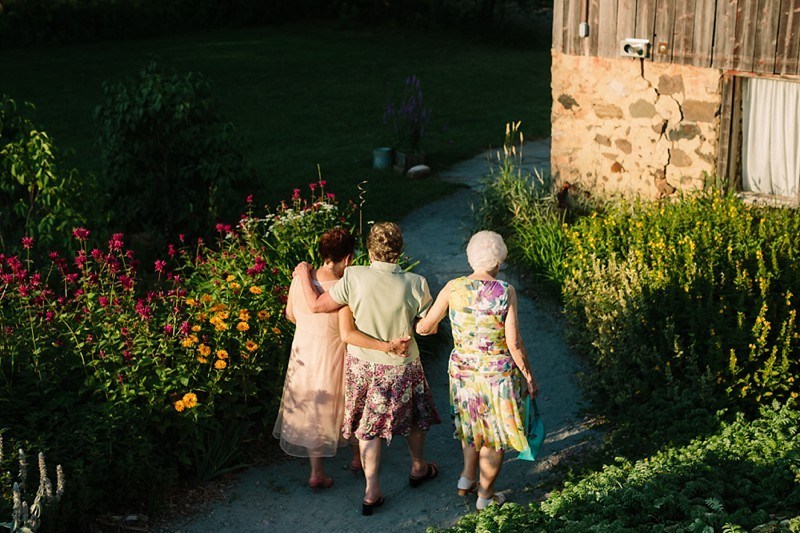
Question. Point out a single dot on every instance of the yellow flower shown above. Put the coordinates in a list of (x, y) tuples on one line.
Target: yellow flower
[(276, 331), (263, 314), (202, 359), (244, 315), (219, 364), (234, 285), (242, 326), (221, 326), (204, 350), (191, 302), (255, 290), (251, 346), (230, 278), (179, 406), (794, 395), (189, 341), (222, 354), (196, 328), (189, 400)]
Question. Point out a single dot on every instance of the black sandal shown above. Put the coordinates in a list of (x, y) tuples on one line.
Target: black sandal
[(432, 472), (367, 508)]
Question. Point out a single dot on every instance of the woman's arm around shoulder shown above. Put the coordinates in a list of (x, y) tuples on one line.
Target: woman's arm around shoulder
[(317, 303), (429, 324)]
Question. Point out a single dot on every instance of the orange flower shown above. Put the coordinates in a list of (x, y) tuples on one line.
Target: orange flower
[(189, 400), (230, 277), (221, 326), (251, 346), (206, 298), (244, 315), (202, 359), (179, 406), (196, 328), (220, 364), (222, 354), (263, 314), (204, 350), (276, 331), (191, 302), (255, 290), (234, 285), (242, 326)]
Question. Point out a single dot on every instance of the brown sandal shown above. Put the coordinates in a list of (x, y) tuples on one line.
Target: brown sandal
[(433, 471)]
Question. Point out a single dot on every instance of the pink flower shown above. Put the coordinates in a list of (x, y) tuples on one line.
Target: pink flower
[(330, 196), (171, 251), (80, 259), (49, 315), (116, 242), (97, 254), (296, 194), (322, 183), (249, 199), (120, 378), (71, 278), (312, 186), (159, 265), (143, 309), (24, 290), (103, 301), (80, 233), (126, 282), (181, 237), (185, 328), (168, 329), (27, 242)]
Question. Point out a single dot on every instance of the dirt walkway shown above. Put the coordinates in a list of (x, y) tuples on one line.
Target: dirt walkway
[(276, 498)]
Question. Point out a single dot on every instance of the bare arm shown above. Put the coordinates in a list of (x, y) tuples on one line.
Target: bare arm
[(515, 344), (430, 323), (351, 335), (317, 303)]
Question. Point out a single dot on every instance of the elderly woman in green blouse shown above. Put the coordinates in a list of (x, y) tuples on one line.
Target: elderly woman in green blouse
[(385, 394)]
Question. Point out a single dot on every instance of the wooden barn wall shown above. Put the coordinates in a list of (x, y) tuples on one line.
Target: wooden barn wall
[(758, 36)]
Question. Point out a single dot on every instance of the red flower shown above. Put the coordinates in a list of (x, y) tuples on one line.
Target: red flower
[(116, 242), (159, 265), (80, 233), (296, 194), (27, 242)]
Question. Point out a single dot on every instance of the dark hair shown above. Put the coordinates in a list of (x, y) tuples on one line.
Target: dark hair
[(336, 244), (385, 242)]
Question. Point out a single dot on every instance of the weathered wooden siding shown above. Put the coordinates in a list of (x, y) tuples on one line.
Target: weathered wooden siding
[(759, 36)]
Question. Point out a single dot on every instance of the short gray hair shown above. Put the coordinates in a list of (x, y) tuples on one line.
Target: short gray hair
[(485, 251)]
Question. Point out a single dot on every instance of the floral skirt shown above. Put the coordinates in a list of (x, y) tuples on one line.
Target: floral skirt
[(386, 400), (486, 393)]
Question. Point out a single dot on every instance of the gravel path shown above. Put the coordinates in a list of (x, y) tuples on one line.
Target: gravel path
[(276, 498)]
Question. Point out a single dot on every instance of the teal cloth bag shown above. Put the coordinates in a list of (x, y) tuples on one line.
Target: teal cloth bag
[(534, 430)]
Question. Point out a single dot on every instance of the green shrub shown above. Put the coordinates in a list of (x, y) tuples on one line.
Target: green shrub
[(171, 164), (37, 199), (694, 297), (745, 475)]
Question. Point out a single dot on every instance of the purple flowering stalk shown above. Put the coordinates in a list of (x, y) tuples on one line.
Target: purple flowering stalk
[(409, 117)]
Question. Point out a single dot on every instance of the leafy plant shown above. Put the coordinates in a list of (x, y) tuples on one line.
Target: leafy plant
[(171, 164), (408, 117), (37, 199)]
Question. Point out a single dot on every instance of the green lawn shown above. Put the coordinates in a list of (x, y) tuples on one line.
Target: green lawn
[(304, 95)]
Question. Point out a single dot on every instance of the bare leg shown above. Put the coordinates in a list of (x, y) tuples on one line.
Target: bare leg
[(317, 467), (470, 461), (371, 461), (355, 462), (491, 461), (416, 447)]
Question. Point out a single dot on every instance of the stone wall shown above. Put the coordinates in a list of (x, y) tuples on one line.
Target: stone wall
[(633, 127)]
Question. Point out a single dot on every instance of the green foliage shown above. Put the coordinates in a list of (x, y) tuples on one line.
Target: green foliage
[(170, 162), (196, 358), (37, 199), (744, 476), (695, 296), (523, 209)]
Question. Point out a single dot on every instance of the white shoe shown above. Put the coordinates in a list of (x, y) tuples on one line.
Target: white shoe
[(498, 499), (467, 486)]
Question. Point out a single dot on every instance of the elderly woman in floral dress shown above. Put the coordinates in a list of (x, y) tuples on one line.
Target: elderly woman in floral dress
[(385, 395), (489, 369)]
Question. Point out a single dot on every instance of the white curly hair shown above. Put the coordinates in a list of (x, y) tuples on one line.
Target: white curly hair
[(485, 251)]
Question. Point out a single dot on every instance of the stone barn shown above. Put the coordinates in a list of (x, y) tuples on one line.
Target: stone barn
[(651, 97)]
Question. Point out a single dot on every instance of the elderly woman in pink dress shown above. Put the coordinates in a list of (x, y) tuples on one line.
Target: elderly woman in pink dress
[(310, 419), (489, 370)]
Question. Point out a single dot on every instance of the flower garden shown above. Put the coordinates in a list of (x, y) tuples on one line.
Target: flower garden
[(134, 376)]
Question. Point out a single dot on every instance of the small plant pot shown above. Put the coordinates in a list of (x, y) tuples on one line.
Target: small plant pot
[(403, 161), (382, 157)]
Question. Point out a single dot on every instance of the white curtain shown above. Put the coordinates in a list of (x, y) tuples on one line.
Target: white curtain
[(771, 136)]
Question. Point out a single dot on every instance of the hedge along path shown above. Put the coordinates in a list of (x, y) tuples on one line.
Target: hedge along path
[(275, 497)]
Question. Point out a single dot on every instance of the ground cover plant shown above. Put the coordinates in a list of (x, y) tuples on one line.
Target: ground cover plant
[(120, 377), (685, 312), (304, 95)]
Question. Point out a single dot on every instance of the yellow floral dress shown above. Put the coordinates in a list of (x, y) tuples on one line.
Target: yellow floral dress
[(486, 387)]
